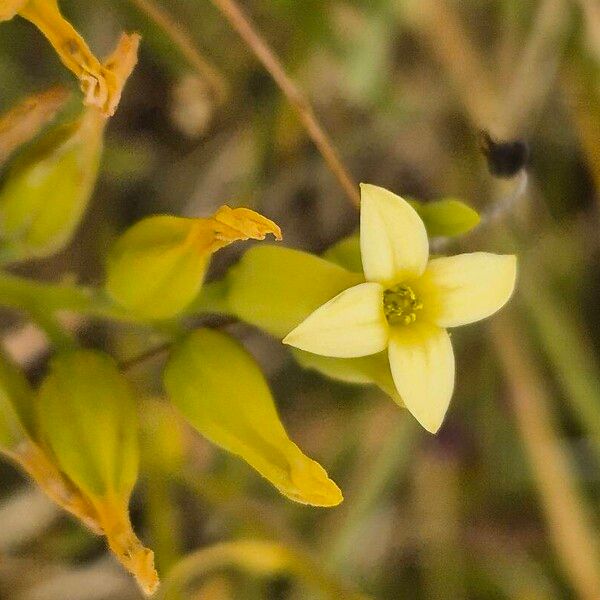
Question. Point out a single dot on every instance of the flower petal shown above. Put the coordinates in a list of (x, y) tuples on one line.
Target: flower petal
[(422, 364), (462, 289), (349, 325), (393, 240)]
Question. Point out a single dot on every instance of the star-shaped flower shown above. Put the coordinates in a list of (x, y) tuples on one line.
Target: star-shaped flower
[(406, 304)]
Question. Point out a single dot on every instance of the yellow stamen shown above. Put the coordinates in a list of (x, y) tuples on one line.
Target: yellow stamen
[(400, 305)]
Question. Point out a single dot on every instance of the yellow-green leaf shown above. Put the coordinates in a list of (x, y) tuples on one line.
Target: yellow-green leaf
[(220, 389)]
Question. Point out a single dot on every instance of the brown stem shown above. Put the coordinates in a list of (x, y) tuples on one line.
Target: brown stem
[(184, 42), (240, 22), (568, 518)]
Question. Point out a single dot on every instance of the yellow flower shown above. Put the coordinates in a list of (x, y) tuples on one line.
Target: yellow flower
[(406, 304), (101, 83)]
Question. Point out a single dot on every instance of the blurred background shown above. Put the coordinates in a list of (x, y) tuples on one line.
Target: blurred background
[(505, 501)]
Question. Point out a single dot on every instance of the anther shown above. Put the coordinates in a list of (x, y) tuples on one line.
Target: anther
[(400, 305)]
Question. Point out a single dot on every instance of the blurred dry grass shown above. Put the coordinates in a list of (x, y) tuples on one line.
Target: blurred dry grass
[(504, 503)]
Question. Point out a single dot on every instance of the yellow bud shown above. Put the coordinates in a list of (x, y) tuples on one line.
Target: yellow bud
[(221, 391), (156, 268), (48, 188)]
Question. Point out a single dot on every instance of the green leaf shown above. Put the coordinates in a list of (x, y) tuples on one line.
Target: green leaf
[(221, 391), (446, 218), (373, 369), (88, 420), (48, 189), (154, 269), (277, 288)]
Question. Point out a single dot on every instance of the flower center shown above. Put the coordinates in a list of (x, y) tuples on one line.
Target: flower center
[(400, 305)]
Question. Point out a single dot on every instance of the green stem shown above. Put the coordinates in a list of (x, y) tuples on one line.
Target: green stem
[(391, 462), (39, 298), (568, 350)]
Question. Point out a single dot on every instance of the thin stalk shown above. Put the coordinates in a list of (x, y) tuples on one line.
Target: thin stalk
[(242, 25), (391, 462), (568, 349), (438, 500), (567, 515), (184, 42)]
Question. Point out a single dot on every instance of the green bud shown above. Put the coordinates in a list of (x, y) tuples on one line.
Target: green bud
[(16, 406), (155, 269), (373, 369), (446, 218), (220, 389), (48, 189), (346, 253), (87, 418), (277, 288)]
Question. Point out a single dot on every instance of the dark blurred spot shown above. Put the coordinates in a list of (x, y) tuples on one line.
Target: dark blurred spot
[(505, 159)]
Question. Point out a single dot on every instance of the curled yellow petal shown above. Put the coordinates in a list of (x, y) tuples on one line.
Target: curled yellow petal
[(229, 225), (101, 84)]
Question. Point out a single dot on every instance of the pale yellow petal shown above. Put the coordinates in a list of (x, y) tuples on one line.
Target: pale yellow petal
[(349, 325), (462, 289), (393, 240), (422, 365)]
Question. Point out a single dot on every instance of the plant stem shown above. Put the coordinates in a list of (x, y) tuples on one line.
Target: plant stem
[(182, 39), (567, 515), (42, 298), (240, 22)]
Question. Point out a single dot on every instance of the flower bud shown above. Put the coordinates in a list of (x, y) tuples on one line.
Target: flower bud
[(277, 288), (221, 391), (48, 189), (88, 421), (446, 218), (15, 406), (156, 268)]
